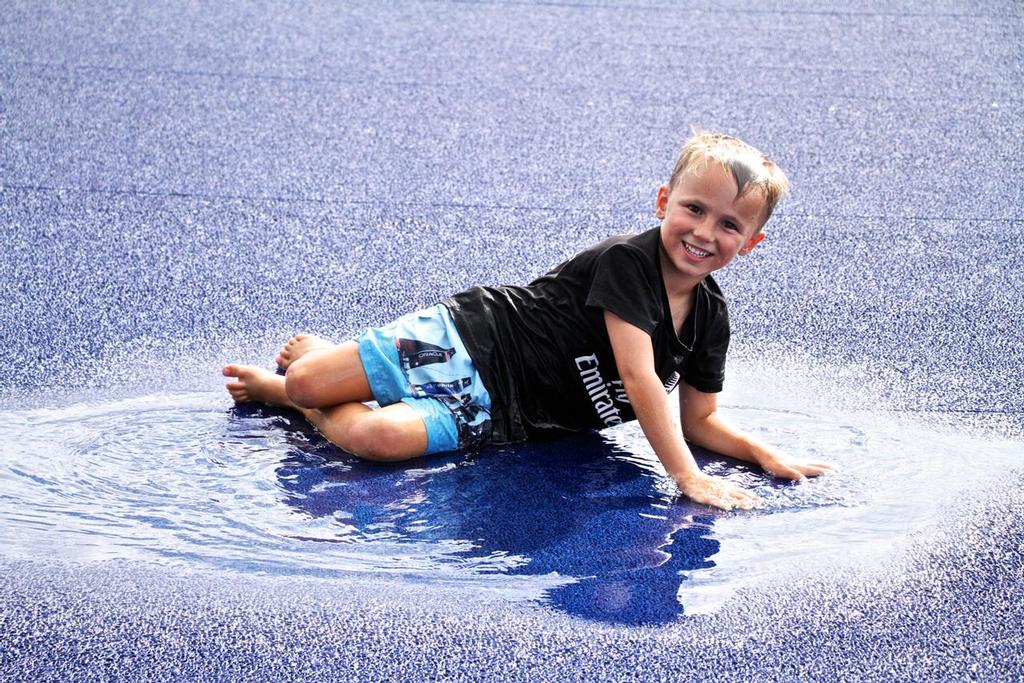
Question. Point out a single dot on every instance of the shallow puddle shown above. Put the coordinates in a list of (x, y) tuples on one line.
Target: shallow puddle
[(587, 524)]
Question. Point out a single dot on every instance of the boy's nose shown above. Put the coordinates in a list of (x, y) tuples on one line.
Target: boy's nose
[(703, 228)]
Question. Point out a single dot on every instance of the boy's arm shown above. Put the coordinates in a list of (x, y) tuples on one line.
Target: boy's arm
[(634, 357), (702, 425)]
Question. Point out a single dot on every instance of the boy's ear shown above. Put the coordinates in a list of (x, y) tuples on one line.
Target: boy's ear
[(751, 243), (661, 203)]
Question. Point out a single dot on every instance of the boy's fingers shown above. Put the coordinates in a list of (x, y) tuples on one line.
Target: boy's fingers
[(752, 499), (718, 498), (747, 503), (725, 496), (716, 501), (743, 499), (816, 468), (788, 472)]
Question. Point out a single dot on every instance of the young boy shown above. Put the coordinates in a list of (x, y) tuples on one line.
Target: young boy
[(601, 339)]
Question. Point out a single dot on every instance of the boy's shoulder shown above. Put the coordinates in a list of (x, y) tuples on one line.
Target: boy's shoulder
[(639, 254), (645, 242), (641, 246), (646, 247)]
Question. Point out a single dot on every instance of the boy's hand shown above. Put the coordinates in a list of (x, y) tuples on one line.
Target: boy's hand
[(703, 488), (777, 463)]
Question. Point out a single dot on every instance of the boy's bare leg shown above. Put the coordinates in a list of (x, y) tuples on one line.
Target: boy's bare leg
[(392, 433), (389, 434), (325, 375)]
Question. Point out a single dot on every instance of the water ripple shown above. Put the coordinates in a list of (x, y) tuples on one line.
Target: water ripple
[(588, 524)]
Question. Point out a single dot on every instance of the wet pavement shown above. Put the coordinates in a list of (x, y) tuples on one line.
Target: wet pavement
[(182, 185)]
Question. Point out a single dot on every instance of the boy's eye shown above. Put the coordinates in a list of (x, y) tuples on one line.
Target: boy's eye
[(729, 225), (693, 208)]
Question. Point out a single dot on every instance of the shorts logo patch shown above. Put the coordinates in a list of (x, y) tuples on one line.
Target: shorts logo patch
[(443, 388), (414, 353)]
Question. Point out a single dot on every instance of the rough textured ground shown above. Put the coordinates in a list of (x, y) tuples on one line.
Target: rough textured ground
[(182, 183), (951, 614)]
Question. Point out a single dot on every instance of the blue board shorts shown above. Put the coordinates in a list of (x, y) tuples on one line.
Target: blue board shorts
[(421, 361)]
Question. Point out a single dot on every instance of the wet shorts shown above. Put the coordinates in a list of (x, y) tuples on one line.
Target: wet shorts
[(421, 361)]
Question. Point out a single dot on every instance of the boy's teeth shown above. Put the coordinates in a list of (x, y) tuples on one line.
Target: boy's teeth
[(695, 251)]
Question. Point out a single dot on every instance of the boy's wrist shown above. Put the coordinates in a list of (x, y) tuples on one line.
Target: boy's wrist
[(761, 453), (687, 476)]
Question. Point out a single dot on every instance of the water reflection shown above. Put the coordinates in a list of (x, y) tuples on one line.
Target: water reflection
[(587, 524), (577, 508)]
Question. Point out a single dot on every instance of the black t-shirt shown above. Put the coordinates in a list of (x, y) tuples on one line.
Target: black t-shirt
[(543, 350)]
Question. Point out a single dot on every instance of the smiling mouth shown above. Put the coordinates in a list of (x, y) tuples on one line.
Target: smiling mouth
[(695, 252)]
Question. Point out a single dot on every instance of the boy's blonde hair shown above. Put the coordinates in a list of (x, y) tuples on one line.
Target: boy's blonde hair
[(749, 168)]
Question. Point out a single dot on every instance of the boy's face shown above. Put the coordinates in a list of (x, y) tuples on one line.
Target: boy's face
[(704, 224)]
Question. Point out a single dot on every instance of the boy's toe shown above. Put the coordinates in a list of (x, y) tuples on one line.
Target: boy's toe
[(240, 371)]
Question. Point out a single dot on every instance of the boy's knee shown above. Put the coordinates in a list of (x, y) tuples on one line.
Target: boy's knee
[(376, 437), (300, 385)]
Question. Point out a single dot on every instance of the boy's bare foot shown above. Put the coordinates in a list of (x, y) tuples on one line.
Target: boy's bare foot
[(256, 384), (298, 346)]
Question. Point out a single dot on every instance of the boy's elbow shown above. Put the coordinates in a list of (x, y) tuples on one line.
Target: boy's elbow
[(691, 425), (694, 422)]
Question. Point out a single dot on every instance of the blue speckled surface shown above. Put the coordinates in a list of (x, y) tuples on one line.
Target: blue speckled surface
[(186, 185)]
